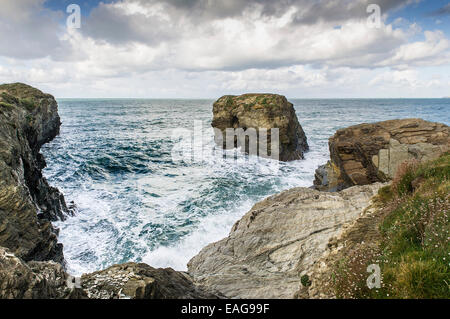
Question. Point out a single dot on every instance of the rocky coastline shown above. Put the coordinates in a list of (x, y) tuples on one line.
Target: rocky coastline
[(279, 249)]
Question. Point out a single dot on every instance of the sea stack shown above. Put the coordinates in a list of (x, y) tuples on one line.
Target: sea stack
[(369, 153), (261, 111)]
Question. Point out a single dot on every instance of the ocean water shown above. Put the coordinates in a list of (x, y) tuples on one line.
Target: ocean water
[(134, 202)]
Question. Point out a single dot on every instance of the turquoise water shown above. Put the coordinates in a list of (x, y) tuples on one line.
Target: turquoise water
[(113, 158)]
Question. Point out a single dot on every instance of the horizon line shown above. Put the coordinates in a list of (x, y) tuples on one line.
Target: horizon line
[(215, 98)]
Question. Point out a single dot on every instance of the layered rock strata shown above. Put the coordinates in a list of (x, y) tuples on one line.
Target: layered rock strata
[(278, 241), (369, 153), (28, 119)]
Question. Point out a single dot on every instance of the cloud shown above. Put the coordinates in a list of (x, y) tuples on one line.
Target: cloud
[(433, 51), (240, 40), (197, 47), (27, 30), (445, 10)]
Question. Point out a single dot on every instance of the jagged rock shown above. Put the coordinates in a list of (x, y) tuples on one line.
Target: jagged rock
[(28, 119), (277, 241), (259, 111), (48, 280), (369, 153), (36, 280), (140, 281), (44, 280)]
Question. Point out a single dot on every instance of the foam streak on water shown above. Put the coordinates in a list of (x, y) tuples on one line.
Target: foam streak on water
[(113, 159)]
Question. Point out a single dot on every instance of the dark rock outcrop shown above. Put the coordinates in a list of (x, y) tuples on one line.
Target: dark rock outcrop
[(261, 111), (48, 280), (369, 153), (28, 119), (35, 280), (140, 281)]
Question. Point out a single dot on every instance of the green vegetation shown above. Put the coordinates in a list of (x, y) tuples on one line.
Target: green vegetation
[(412, 246), (305, 281), (28, 103), (6, 105)]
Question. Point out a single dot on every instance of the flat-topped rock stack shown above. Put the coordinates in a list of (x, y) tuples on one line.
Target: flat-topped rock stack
[(261, 111)]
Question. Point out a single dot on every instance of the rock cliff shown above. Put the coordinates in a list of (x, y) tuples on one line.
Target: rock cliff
[(28, 119), (261, 111), (278, 241), (369, 153)]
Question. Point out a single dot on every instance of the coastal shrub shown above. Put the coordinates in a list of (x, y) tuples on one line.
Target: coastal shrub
[(305, 281), (413, 250), (9, 99)]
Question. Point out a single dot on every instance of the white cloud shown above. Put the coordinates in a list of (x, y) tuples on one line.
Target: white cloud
[(159, 49)]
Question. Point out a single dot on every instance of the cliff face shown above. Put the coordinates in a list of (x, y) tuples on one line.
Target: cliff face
[(259, 111), (369, 153), (278, 241), (28, 119)]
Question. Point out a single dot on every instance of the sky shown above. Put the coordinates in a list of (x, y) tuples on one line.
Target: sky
[(209, 48)]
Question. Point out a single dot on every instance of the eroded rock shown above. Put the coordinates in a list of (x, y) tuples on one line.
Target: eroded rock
[(277, 241), (261, 111), (28, 119), (36, 280), (141, 281), (369, 153)]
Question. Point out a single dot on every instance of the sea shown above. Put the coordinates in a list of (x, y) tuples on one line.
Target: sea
[(137, 200)]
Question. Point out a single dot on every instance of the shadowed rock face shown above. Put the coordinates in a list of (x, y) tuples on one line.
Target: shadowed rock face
[(35, 280), (28, 119), (259, 111), (369, 153), (278, 241)]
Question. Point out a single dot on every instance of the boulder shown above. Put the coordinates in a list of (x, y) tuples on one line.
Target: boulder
[(277, 242), (140, 281), (28, 119), (261, 111), (369, 153), (48, 280), (36, 280)]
